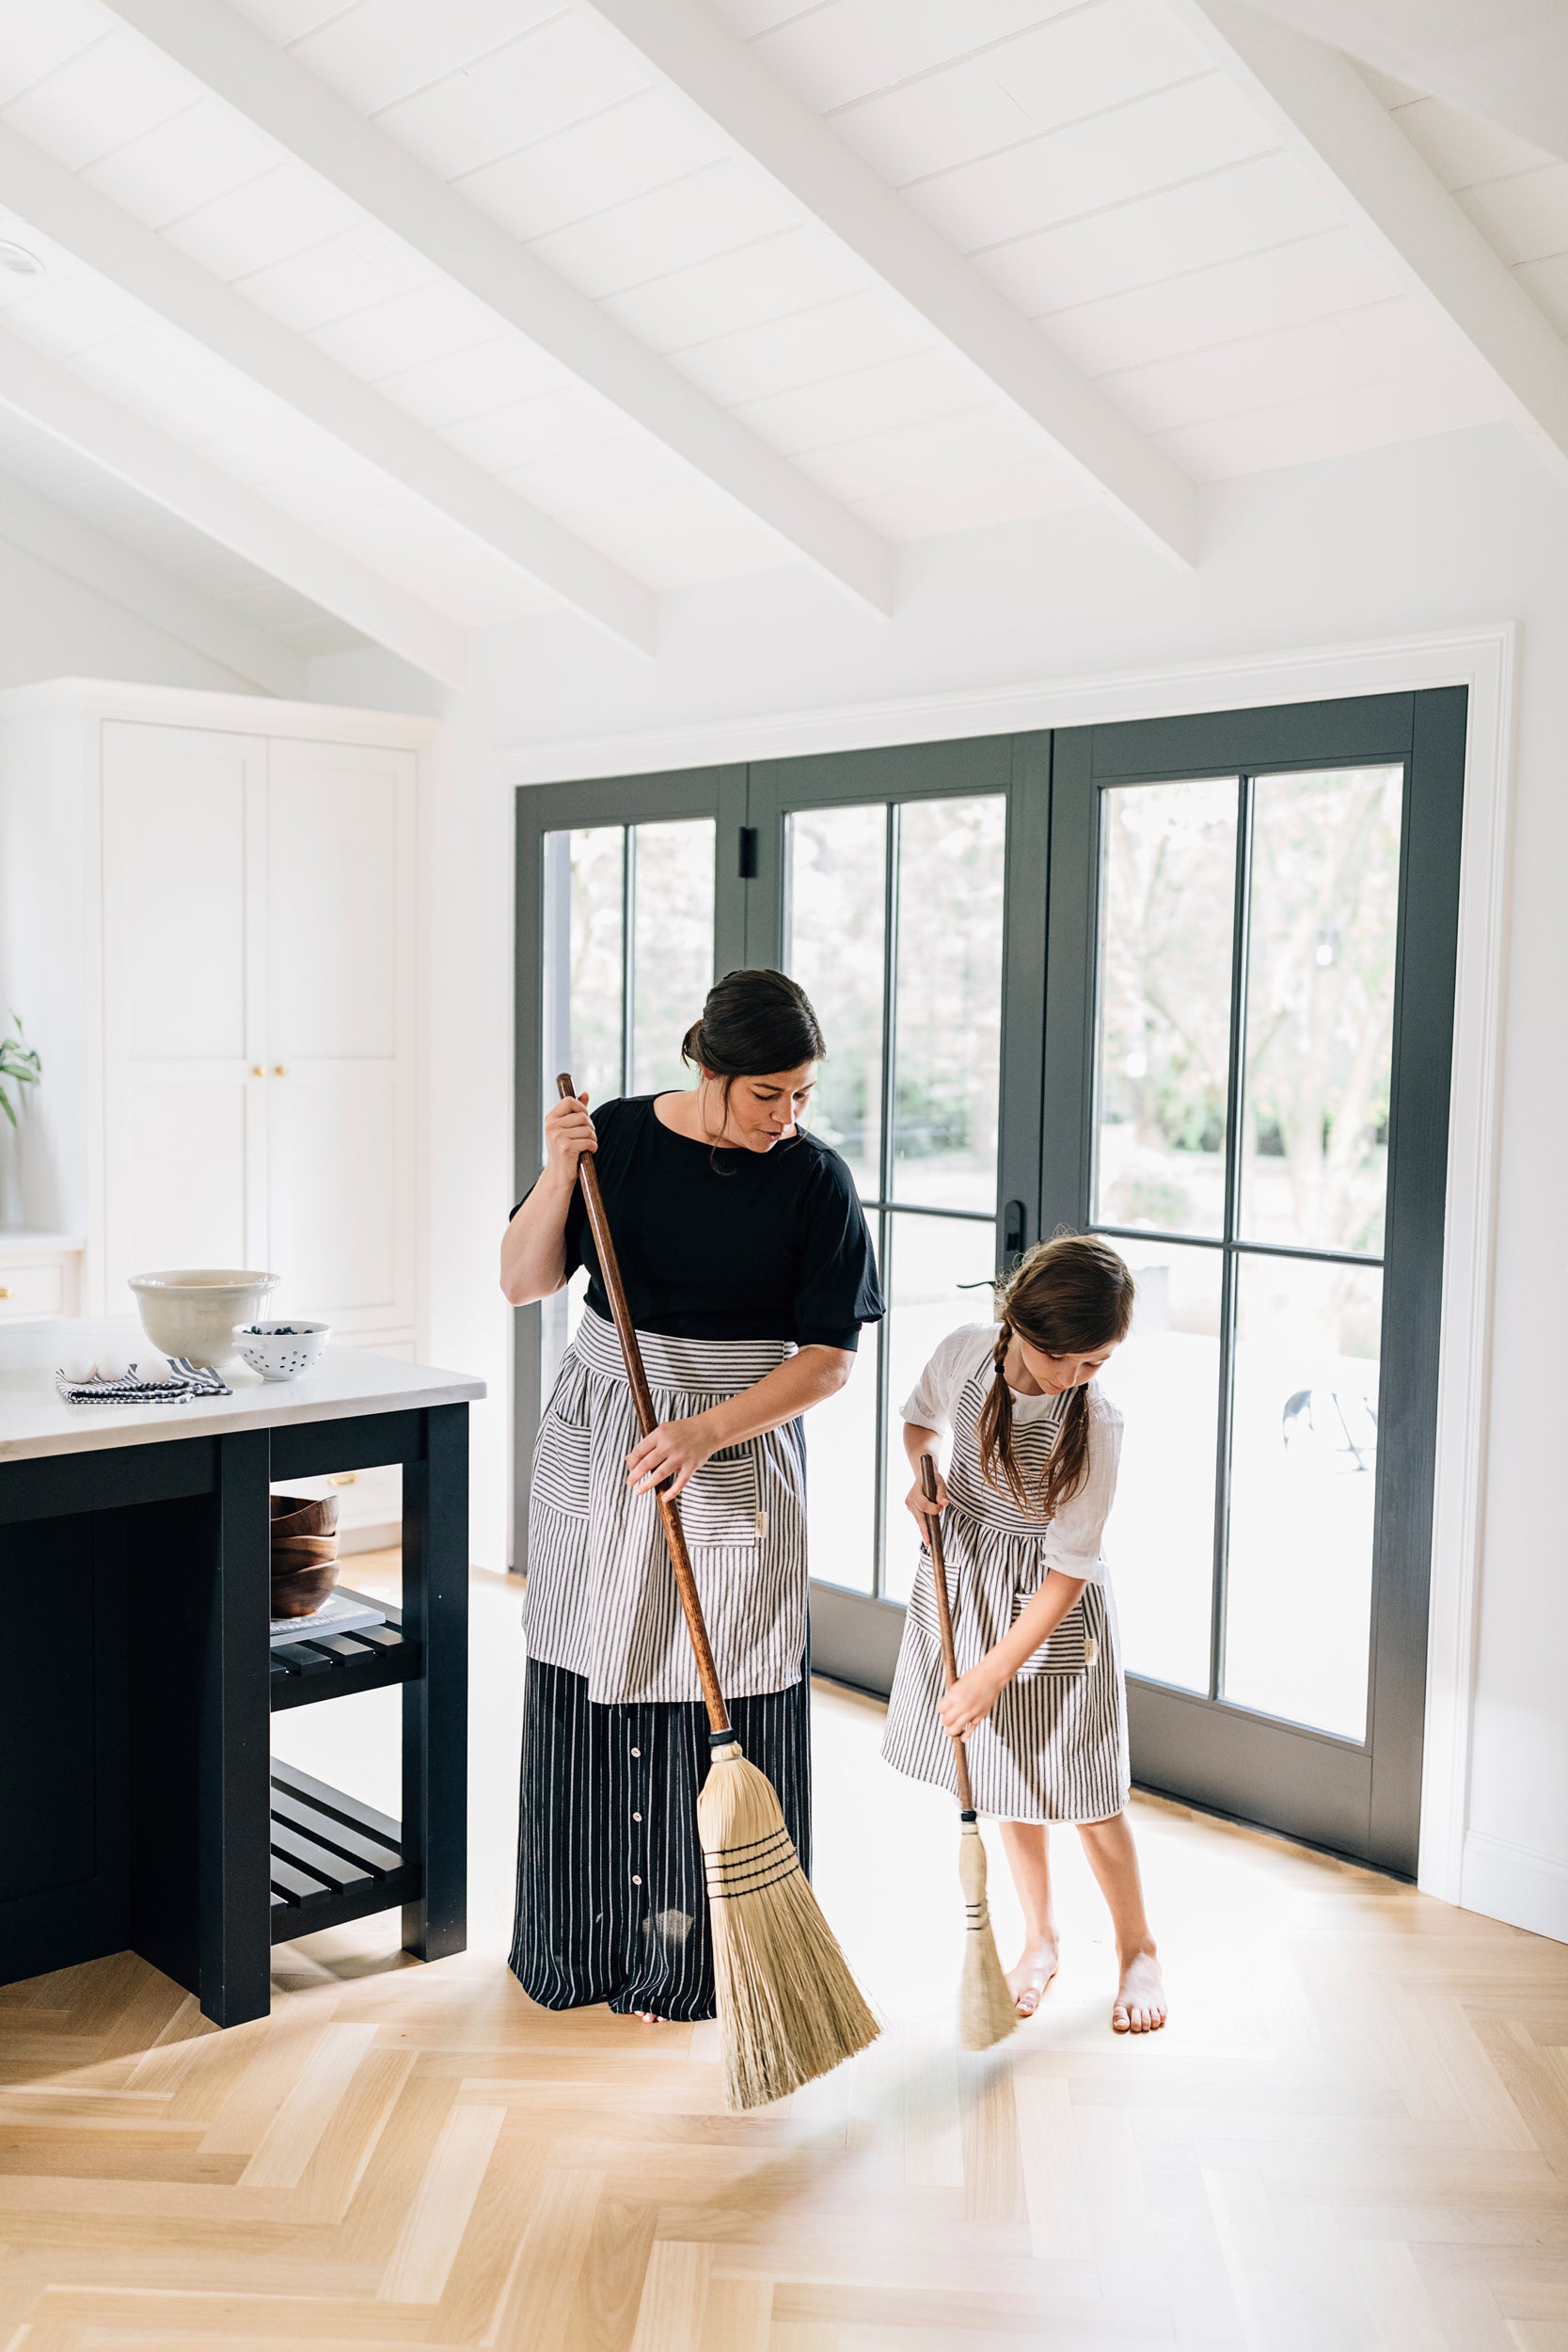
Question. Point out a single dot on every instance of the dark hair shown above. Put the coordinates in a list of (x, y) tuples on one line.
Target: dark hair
[(752, 1023), (1067, 1298)]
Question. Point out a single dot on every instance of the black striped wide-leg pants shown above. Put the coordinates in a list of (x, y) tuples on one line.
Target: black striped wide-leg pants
[(611, 1900)]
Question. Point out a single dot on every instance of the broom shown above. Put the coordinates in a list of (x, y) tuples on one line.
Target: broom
[(987, 2011), (788, 2008)]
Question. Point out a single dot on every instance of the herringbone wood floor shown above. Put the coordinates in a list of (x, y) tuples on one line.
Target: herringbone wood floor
[(1354, 2133)]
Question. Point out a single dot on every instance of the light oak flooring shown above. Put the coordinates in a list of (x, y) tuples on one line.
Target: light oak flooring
[(1354, 2132)]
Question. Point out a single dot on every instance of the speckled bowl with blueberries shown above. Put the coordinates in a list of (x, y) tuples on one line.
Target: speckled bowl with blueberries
[(281, 1351)]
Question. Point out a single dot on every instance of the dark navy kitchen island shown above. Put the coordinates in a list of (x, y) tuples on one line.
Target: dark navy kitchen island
[(140, 1808)]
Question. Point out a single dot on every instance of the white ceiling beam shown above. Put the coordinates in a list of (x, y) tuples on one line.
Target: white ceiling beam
[(76, 216), (702, 58), (95, 560), (278, 94), (1345, 136), (51, 397)]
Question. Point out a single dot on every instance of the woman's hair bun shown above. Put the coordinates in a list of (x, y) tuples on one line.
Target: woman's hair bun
[(753, 1022)]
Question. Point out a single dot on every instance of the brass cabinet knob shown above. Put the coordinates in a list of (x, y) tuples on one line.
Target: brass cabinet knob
[(279, 1071), (257, 1071), (4, 1291)]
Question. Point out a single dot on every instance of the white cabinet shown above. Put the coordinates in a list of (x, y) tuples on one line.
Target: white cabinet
[(227, 975)]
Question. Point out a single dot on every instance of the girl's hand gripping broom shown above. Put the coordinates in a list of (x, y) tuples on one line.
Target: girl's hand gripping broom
[(987, 2011), (788, 2008)]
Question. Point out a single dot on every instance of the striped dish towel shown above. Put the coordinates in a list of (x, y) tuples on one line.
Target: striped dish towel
[(193, 1380)]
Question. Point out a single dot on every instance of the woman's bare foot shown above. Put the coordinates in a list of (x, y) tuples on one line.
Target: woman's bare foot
[(1140, 2002), (1028, 1981)]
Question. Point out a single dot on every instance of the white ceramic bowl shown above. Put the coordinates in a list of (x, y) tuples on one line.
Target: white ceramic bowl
[(281, 1351), (192, 1310)]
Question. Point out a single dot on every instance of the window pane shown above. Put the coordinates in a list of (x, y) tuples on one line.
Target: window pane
[(1303, 1463), (1320, 1010), (841, 1477), (1161, 1538), (673, 960), (583, 912), (947, 1006), (930, 1257), (1166, 920), (834, 947)]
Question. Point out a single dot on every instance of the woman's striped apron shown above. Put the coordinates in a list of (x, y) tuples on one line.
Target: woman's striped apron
[(1054, 1747), (611, 1894)]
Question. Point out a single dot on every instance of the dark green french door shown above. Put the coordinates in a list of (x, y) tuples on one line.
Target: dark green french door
[(1188, 983)]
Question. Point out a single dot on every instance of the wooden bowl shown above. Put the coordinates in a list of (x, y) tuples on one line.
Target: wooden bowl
[(304, 1552)]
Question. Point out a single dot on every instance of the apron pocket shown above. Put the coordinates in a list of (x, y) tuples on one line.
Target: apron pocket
[(1070, 1650), (560, 1466), (722, 1502)]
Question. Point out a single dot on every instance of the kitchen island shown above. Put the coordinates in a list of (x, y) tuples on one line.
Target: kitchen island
[(140, 1808)]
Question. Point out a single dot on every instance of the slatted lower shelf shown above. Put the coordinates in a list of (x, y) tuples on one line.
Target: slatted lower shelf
[(337, 1665), (333, 1858)]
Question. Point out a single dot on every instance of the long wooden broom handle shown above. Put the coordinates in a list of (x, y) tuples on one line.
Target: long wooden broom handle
[(647, 1420), (944, 1619)]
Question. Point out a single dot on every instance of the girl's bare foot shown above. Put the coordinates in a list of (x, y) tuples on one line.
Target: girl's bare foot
[(1140, 2002), (1027, 1982)]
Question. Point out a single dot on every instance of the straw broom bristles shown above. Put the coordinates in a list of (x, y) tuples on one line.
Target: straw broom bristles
[(788, 2008), (987, 2011)]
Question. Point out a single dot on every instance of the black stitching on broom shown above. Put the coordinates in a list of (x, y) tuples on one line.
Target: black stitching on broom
[(759, 1884)]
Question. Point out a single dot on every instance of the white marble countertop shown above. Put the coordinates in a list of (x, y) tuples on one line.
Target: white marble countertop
[(36, 1420)]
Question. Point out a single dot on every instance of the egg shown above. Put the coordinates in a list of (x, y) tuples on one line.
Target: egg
[(78, 1366), (112, 1365)]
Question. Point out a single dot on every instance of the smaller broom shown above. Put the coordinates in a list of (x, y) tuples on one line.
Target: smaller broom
[(788, 2008), (987, 2011)]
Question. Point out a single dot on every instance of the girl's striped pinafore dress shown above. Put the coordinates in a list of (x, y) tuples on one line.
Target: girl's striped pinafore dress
[(1054, 1747)]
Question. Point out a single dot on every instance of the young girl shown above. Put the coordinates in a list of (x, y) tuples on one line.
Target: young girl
[(1040, 1697)]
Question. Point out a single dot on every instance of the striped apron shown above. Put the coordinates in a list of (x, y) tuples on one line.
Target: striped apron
[(610, 1893), (1054, 1747)]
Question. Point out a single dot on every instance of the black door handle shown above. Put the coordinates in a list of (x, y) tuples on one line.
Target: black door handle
[(1014, 1234)]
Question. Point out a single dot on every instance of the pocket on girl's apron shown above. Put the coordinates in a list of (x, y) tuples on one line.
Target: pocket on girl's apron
[(722, 1502), (1071, 1649)]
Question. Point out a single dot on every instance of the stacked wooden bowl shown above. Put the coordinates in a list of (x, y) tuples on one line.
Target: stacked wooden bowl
[(304, 1552)]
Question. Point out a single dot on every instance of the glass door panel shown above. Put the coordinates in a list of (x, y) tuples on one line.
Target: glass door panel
[(1165, 1380), (938, 1274), (584, 956), (841, 1487), (1319, 1008), (1302, 1486), (615, 1020), (1161, 1072), (835, 921), (669, 892), (947, 1007)]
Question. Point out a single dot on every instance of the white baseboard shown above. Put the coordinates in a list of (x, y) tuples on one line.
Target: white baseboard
[(1516, 1883)]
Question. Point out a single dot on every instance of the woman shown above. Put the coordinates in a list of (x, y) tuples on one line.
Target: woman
[(749, 1272)]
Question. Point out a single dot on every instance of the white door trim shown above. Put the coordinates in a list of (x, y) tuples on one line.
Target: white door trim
[(1483, 660)]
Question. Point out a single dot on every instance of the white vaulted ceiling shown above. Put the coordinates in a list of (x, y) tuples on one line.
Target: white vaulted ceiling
[(384, 320)]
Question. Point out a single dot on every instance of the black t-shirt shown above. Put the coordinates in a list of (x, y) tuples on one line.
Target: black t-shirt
[(727, 1245)]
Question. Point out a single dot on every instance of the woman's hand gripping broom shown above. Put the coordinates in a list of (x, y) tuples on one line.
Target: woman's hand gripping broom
[(986, 2011), (788, 2008)]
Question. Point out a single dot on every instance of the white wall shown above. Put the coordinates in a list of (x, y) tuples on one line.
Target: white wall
[(53, 627), (1427, 536)]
